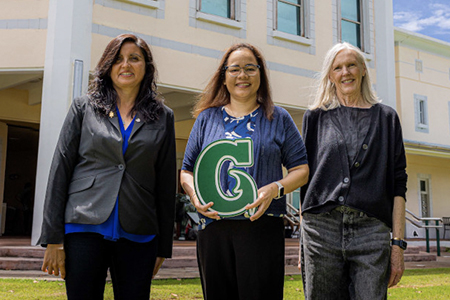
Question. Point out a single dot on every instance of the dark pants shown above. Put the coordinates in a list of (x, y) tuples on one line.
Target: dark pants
[(88, 257), (345, 255), (240, 259)]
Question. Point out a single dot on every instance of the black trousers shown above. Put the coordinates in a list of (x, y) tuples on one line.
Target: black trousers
[(88, 257), (240, 259)]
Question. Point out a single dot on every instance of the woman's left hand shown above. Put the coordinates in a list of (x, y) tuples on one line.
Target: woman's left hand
[(397, 266), (265, 196), (296, 177), (158, 263)]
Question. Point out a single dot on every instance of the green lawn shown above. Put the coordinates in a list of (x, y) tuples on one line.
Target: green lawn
[(423, 284)]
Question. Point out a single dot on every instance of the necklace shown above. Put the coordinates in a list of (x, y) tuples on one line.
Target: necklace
[(239, 115)]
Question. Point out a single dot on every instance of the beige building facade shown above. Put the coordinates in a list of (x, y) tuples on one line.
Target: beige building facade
[(51, 46), (422, 67)]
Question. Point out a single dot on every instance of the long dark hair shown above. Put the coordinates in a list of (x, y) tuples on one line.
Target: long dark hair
[(102, 94), (216, 93)]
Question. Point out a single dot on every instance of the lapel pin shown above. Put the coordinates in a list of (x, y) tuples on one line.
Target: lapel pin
[(138, 120), (111, 114)]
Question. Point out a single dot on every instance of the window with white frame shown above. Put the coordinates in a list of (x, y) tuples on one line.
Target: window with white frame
[(421, 113), (424, 197), (289, 17), (351, 22), (221, 8), (291, 24)]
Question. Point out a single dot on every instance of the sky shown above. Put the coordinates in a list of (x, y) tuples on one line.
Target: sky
[(427, 17)]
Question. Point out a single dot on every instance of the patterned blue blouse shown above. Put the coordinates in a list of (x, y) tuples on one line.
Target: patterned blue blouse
[(237, 128), (111, 229)]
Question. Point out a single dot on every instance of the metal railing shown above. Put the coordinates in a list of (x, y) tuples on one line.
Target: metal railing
[(425, 223), (292, 216)]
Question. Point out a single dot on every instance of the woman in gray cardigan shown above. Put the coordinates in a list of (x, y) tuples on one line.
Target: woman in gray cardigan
[(357, 185), (111, 191)]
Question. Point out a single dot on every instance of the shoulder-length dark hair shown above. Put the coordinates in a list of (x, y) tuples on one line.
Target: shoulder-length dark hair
[(102, 94), (216, 93)]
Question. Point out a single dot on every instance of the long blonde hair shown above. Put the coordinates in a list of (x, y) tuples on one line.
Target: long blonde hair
[(325, 96)]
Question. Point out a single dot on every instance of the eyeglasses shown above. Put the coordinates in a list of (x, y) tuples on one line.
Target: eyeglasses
[(250, 70)]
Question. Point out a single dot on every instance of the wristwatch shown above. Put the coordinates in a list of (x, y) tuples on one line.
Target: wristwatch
[(399, 242), (280, 190)]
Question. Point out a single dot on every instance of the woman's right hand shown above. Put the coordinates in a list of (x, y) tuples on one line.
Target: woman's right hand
[(203, 209), (55, 260), (187, 182)]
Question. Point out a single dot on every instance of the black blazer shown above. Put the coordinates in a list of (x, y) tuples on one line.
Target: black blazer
[(89, 171)]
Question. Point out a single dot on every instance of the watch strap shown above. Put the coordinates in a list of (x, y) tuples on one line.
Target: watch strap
[(399, 242), (280, 190)]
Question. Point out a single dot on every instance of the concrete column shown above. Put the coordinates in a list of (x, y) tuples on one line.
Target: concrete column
[(68, 39), (384, 51)]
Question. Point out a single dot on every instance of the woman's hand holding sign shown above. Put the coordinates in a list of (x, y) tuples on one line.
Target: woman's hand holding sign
[(269, 192), (188, 185), (265, 196), (203, 209)]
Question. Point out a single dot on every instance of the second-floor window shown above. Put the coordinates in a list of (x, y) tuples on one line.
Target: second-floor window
[(421, 113), (221, 8), (289, 17), (351, 22)]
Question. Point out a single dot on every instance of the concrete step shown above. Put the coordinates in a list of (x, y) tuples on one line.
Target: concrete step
[(291, 250), (180, 262), (20, 263), (22, 251), (412, 250), (432, 248), (30, 257), (291, 260), (184, 251), (38, 252), (421, 256)]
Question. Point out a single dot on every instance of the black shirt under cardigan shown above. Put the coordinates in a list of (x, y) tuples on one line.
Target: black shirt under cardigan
[(375, 176)]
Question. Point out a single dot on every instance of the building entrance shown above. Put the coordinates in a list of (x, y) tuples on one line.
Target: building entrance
[(20, 177)]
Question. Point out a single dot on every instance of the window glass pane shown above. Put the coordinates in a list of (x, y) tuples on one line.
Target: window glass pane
[(350, 10), (425, 205), (294, 1), (423, 187), (350, 33), (422, 112), (288, 18), (216, 7)]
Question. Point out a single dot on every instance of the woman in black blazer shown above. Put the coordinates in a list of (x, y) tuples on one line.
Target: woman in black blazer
[(111, 191)]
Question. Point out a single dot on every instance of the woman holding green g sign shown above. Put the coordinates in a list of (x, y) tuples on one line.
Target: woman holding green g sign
[(241, 256)]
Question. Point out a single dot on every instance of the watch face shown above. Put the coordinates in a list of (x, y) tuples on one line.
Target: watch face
[(401, 243), (404, 244)]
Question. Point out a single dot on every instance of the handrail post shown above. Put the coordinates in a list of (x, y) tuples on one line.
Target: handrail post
[(427, 236), (437, 239)]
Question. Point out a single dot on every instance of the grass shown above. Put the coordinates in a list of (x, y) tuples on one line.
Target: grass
[(423, 284)]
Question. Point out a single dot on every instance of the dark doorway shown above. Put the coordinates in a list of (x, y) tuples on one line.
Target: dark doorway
[(20, 177)]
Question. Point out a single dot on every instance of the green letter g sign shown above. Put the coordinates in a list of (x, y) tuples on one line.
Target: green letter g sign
[(207, 176)]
